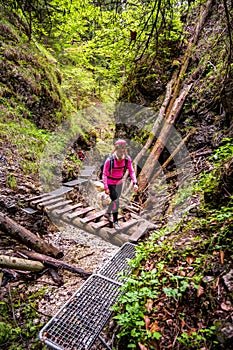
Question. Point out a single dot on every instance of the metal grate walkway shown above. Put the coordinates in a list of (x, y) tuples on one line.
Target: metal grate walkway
[(117, 268), (80, 321)]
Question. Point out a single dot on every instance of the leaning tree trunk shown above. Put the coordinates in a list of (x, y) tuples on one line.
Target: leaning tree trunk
[(27, 237), (149, 166), (176, 98)]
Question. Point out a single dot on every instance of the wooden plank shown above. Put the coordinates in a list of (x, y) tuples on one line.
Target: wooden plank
[(93, 216), (58, 205), (29, 210), (89, 167), (36, 197), (51, 201), (61, 190), (85, 175), (75, 182), (44, 196), (79, 212), (139, 232), (68, 208), (39, 200), (132, 209), (99, 224), (127, 224)]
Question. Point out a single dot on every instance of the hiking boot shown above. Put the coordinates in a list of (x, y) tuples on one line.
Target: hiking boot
[(116, 226)]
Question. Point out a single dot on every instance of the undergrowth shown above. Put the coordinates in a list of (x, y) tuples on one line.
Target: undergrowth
[(19, 321), (176, 297)]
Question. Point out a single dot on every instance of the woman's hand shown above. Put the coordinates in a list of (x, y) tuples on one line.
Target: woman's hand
[(107, 191), (135, 188)]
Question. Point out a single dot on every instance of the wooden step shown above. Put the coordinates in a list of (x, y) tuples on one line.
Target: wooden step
[(89, 167), (49, 196), (50, 201), (36, 197), (127, 224), (99, 224), (61, 190), (68, 208), (80, 212), (93, 217), (76, 182), (41, 199), (58, 205), (140, 231)]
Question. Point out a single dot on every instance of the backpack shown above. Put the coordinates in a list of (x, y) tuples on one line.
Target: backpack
[(111, 165)]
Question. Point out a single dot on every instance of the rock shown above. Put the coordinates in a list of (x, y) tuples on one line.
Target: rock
[(228, 280)]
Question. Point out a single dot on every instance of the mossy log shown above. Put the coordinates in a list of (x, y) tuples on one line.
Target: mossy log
[(11, 262)]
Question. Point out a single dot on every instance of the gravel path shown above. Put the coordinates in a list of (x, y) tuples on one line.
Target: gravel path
[(82, 250)]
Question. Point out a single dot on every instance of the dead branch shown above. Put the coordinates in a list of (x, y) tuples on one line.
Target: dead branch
[(27, 237), (51, 262)]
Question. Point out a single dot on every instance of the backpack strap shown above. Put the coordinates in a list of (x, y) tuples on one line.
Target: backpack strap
[(111, 163), (126, 164)]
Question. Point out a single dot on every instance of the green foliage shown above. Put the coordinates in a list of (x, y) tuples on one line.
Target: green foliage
[(93, 41), (224, 152), (23, 325), (19, 135), (197, 340), (161, 269), (11, 181), (209, 182)]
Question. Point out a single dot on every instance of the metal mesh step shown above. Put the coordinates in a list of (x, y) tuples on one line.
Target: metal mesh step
[(118, 265), (80, 321)]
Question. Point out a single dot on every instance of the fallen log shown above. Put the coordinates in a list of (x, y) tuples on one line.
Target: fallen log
[(11, 262), (51, 262), (27, 237)]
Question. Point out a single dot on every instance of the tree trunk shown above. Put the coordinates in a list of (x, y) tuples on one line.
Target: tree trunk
[(51, 262), (149, 166), (165, 164), (27, 237), (185, 62), (12, 262), (171, 100)]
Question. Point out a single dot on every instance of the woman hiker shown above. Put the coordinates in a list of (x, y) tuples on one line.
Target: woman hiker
[(113, 172)]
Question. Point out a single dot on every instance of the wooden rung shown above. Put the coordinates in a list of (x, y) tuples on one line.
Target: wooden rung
[(102, 223), (47, 197), (50, 201), (89, 167), (141, 230), (58, 205), (68, 208), (36, 197), (127, 224), (93, 217), (41, 199), (75, 182), (79, 212), (132, 209)]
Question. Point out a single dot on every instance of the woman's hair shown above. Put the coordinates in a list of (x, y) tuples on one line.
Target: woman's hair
[(120, 143)]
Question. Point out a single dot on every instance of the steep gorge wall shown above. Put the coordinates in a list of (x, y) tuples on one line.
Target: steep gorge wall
[(209, 106), (29, 82)]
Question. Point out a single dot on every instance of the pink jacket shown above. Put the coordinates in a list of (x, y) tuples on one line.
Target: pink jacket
[(116, 175)]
